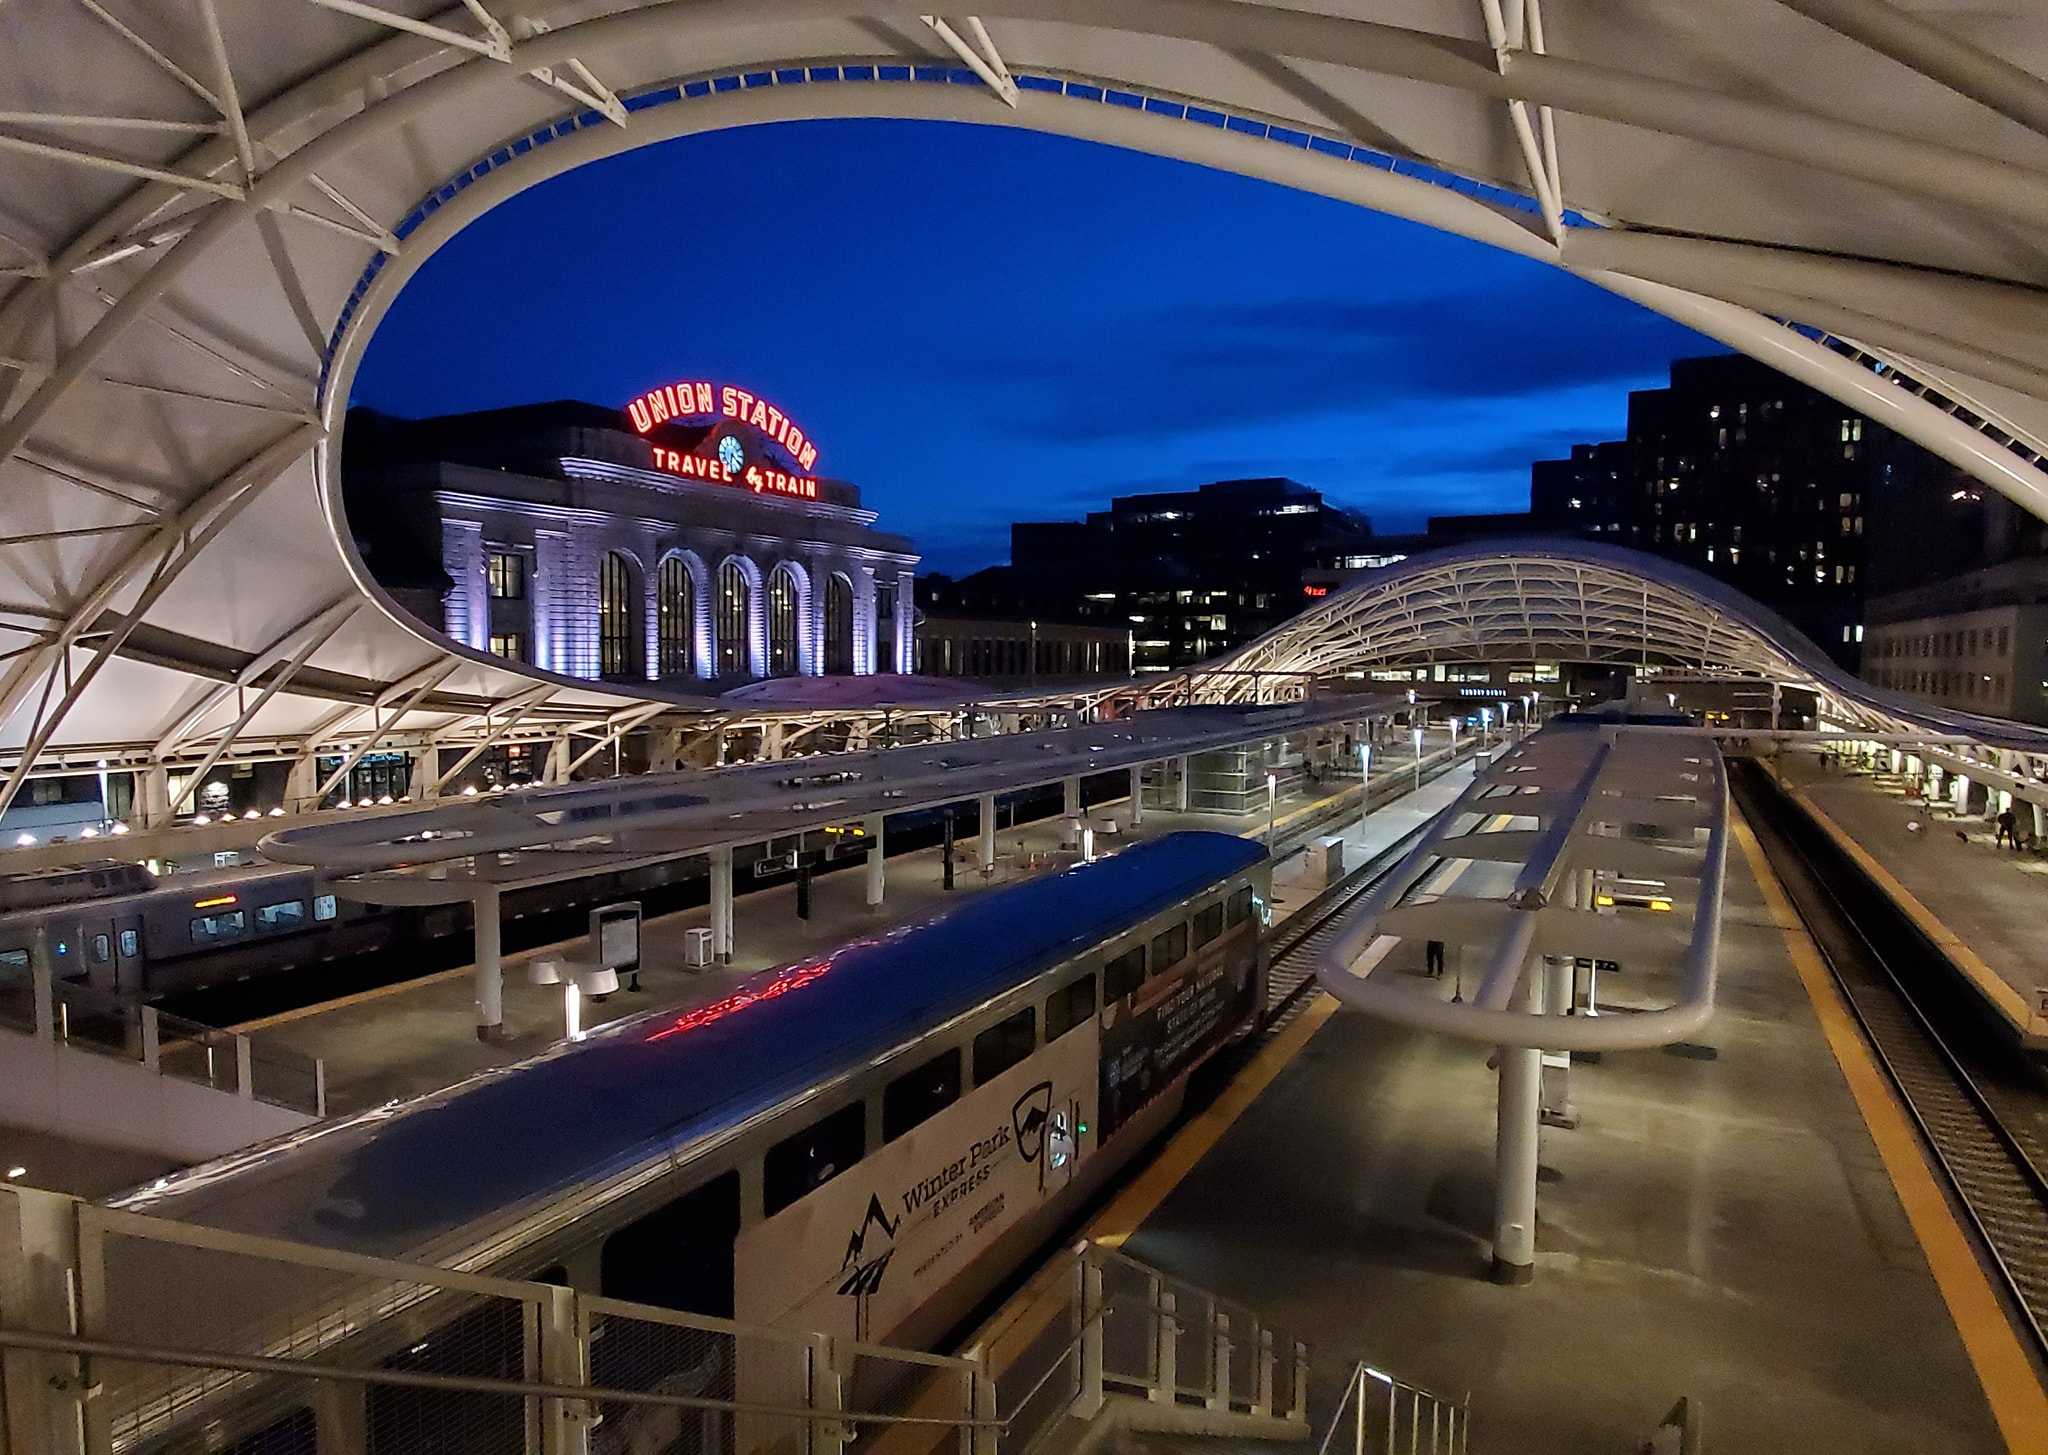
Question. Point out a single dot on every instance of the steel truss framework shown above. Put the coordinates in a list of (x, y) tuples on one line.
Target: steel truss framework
[(206, 206), (1548, 601)]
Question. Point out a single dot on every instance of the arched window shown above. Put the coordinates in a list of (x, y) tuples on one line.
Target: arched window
[(675, 624), (618, 617), (783, 599), (734, 604), (838, 625)]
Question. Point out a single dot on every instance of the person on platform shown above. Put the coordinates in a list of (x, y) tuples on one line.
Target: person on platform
[(2008, 830), (1433, 959)]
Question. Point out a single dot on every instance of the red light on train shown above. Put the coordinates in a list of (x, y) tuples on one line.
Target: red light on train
[(790, 979)]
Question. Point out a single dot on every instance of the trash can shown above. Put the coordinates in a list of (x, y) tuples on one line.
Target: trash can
[(1333, 859), (697, 948)]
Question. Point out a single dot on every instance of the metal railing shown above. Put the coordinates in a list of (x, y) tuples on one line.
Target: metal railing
[(1099, 1326), (85, 1018), (1380, 1415), (122, 1334)]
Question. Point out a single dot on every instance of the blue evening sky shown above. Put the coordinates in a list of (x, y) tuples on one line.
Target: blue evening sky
[(979, 325)]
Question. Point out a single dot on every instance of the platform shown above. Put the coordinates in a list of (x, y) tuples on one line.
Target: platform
[(408, 1039), (1986, 906), (1720, 1225)]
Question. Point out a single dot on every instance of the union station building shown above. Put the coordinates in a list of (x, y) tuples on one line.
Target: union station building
[(686, 539)]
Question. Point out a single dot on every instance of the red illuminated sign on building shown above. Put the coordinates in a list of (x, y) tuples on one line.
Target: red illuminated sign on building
[(698, 399), (1315, 591), (758, 478)]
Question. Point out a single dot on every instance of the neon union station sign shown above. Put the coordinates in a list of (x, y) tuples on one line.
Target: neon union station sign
[(700, 399)]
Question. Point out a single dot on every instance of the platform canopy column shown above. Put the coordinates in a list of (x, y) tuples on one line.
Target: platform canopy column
[(721, 903), (1137, 794), (490, 970), (1180, 783), (873, 824), (986, 814), (1070, 811)]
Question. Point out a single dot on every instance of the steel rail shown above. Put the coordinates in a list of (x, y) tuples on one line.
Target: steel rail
[(2002, 1189)]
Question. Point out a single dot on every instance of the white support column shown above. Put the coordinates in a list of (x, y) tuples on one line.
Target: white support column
[(1180, 782), (1514, 1169), (1558, 1110), (1137, 794), (490, 971), (873, 824), (986, 813), (1070, 828), (721, 904), (2040, 820), (302, 781), (47, 1407), (154, 796)]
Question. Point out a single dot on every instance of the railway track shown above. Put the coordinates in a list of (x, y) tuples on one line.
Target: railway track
[(1980, 1103), (1291, 968)]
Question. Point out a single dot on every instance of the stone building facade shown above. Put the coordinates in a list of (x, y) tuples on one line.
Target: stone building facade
[(695, 554)]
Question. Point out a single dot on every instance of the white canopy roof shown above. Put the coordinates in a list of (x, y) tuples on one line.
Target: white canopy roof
[(206, 205)]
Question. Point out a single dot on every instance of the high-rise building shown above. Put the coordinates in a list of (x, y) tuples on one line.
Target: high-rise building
[(1757, 480), (1191, 573)]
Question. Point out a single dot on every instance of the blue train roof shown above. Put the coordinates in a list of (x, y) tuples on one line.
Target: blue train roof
[(392, 1181)]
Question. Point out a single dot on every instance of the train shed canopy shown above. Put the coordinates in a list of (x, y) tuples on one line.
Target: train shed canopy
[(207, 205)]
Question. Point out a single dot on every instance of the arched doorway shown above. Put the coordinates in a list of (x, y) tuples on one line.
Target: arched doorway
[(735, 606), (675, 620), (838, 625), (785, 611), (618, 617)]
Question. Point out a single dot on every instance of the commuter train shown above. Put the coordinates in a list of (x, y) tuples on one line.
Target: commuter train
[(863, 1144), (118, 927)]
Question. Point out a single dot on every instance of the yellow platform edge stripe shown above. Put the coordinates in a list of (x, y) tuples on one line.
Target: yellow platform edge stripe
[(1993, 986), (1142, 1197), (2018, 1403)]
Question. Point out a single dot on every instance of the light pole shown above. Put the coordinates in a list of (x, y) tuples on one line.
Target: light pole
[(1272, 807), (1418, 757), (1364, 781), (1486, 724)]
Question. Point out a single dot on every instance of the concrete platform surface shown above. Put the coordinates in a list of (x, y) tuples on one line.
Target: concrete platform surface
[(408, 1039), (1993, 900), (1718, 1226)]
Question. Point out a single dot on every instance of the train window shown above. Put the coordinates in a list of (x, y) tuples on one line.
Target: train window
[(14, 960), (678, 1256), (1208, 923), (1169, 949), (1069, 1006), (288, 915), (1004, 1044), (131, 943), (212, 929), (102, 949), (1241, 904), (813, 1157), (917, 1095), (1123, 974), (323, 906)]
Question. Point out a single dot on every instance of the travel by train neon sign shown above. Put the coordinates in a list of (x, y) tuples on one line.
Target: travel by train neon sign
[(701, 399)]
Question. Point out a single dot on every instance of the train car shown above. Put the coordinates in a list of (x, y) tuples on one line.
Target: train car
[(861, 1144), (117, 927)]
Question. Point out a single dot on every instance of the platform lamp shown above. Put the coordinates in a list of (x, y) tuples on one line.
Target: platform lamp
[(1418, 757), (1272, 807), (1364, 782)]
